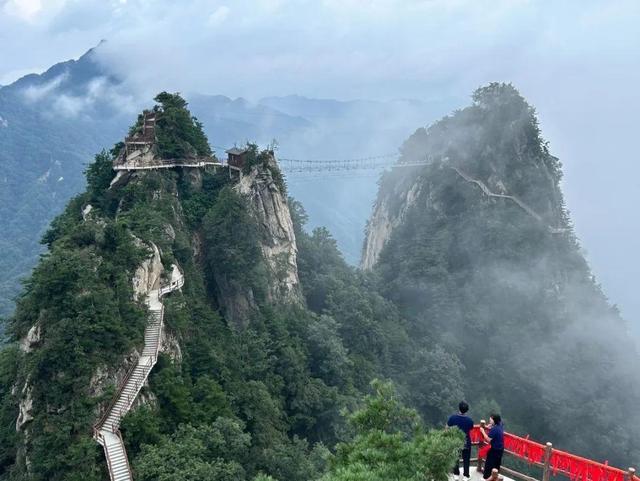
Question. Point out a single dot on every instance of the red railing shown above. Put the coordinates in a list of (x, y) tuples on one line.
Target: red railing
[(555, 462)]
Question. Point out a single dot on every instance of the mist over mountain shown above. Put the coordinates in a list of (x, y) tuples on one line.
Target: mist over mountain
[(474, 287), (284, 240), (478, 252), (53, 123)]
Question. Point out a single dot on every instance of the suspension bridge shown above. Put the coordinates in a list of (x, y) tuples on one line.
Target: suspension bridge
[(378, 162)]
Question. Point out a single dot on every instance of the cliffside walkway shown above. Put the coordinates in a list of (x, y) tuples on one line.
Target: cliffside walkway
[(550, 461), (522, 205), (168, 164), (107, 429)]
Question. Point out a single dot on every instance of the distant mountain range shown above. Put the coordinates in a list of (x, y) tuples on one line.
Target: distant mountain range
[(52, 124)]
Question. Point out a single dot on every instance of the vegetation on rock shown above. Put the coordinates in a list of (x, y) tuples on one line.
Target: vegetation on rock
[(236, 403), (472, 296), (179, 133), (510, 295)]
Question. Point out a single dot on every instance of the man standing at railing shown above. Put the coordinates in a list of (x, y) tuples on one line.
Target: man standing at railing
[(495, 437), (465, 424)]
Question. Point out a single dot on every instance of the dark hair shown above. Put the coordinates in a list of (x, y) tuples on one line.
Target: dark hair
[(496, 418), (463, 407)]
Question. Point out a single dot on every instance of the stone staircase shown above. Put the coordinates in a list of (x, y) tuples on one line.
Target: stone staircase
[(107, 429)]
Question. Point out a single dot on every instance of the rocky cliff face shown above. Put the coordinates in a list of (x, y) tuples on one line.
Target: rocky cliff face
[(267, 211), (491, 148), (147, 275), (388, 213), (269, 208)]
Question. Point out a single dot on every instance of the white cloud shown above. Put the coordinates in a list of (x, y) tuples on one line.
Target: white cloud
[(99, 89), (23, 9), (33, 93), (34, 11)]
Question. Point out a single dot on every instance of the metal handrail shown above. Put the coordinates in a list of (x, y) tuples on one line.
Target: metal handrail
[(545, 456), (126, 458), (109, 464), (177, 284), (115, 398), (98, 425), (166, 163), (127, 401), (137, 386)]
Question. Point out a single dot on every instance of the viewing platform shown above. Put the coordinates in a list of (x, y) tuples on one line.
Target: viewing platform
[(544, 462), (477, 476)]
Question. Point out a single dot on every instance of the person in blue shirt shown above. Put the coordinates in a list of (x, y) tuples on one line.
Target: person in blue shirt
[(495, 437), (465, 424)]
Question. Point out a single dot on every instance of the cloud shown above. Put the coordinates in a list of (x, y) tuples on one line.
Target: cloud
[(33, 93), (23, 9), (99, 90), (33, 11)]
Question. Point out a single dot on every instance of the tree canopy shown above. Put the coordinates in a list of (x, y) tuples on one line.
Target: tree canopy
[(179, 134)]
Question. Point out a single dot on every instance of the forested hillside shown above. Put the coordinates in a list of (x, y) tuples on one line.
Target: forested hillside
[(475, 287), (270, 337), (45, 146), (477, 252)]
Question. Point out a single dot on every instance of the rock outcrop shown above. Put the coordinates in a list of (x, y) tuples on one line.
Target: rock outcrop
[(24, 407), (268, 206), (388, 213), (32, 339), (147, 276)]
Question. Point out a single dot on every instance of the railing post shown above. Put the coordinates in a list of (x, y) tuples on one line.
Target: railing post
[(480, 463), (546, 469), (630, 474)]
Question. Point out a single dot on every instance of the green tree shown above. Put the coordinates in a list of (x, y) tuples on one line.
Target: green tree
[(212, 452), (179, 134), (390, 442)]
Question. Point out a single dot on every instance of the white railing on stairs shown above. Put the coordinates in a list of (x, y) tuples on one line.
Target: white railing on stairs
[(107, 430), (176, 284)]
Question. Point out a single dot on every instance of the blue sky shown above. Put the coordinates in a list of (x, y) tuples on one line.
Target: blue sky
[(577, 62)]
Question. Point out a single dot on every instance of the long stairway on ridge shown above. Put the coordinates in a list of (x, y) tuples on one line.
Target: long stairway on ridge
[(107, 430)]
